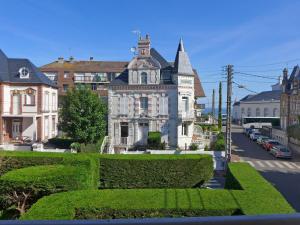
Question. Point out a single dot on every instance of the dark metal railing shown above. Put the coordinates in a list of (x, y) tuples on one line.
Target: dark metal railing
[(290, 219)]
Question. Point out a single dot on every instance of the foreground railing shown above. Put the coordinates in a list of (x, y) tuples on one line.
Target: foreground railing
[(290, 219)]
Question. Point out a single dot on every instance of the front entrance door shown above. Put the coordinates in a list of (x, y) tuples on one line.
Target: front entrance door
[(143, 133), (16, 129)]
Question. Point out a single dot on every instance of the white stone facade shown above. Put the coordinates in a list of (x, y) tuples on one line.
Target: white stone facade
[(140, 101)]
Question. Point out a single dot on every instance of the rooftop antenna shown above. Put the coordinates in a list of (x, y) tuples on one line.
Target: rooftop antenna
[(134, 49), (138, 33)]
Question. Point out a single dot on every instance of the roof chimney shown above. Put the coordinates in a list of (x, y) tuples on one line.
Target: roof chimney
[(91, 58), (144, 46), (60, 59), (71, 59)]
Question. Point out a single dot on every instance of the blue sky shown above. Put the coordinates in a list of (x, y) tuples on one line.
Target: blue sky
[(258, 37)]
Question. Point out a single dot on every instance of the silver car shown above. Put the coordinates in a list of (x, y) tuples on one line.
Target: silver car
[(280, 151), (260, 140)]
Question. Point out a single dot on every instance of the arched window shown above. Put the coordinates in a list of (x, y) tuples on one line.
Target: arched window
[(30, 97), (243, 111), (143, 78), (249, 112), (275, 112), (266, 112), (258, 112)]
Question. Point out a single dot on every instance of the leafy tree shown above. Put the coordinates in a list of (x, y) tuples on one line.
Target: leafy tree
[(220, 107), (83, 115)]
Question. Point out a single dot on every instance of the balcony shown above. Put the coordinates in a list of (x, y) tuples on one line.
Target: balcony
[(186, 116), (290, 219), (90, 79), (124, 140)]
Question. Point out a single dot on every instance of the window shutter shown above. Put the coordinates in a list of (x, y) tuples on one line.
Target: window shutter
[(122, 105), (117, 135), (161, 102), (125, 105), (130, 133), (166, 106)]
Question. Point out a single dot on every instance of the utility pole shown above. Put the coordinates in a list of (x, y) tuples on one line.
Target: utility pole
[(229, 70), (213, 104)]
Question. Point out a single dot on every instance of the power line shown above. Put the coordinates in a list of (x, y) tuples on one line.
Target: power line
[(243, 86), (275, 63), (256, 75)]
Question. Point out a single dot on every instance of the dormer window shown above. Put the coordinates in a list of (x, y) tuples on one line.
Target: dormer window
[(24, 73), (143, 78)]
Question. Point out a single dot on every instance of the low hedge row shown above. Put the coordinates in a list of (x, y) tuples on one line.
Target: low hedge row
[(151, 171), (107, 213), (62, 143), (63, 205), (254, 196)]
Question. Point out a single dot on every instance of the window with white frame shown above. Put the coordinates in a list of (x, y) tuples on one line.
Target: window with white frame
[(143, 78), (54, 101), (257, 112), (144, 103), (66, 74), (46, 101), (30, 99)]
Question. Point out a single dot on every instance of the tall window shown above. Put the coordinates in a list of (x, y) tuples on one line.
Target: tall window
[(54, 101), (184, 129), (66, 74), (53, 124), (257, 112), (144, 103), (243, 111), (144, 78), (266, 112), (275, 112), (46, 102), (249, 112), (65, 87), (30, 99)]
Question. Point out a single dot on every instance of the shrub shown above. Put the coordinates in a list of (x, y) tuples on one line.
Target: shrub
[(219, 144), (155, 171), (75, 146), (63, 143), (254, 196), (194, 147), (92, 147), (22, 187), (206, 148), (154, 140)]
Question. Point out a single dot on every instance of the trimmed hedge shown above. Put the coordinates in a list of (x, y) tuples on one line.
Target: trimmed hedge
[(254, 196), (152, 171), (154, 139), (63, 205), (67, 172), (107, 213)]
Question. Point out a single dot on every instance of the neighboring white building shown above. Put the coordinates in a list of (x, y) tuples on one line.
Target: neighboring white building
[(28, 102), (263, 104), (153, 95)]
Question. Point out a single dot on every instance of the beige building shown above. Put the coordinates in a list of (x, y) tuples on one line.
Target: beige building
[(28, 102)]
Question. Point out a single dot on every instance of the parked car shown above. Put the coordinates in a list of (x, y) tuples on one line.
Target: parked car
[(269, 144), (260, 140), (280, 151), (254, 136)]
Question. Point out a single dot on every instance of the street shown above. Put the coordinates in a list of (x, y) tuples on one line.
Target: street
[(284, 174)]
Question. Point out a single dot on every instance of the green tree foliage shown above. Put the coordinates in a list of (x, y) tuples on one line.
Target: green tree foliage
[(220, 107), (83, 115)]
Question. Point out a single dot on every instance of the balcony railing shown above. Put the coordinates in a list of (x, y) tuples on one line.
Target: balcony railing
[(89, 79), (190, 115), (124, 140), (290, 219)]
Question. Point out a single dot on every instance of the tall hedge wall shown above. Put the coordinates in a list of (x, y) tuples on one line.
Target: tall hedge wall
[(150, 171)]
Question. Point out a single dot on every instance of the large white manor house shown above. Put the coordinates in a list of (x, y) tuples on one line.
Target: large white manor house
[(153, 94)]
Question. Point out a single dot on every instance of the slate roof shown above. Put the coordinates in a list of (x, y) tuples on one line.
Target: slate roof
[(295, 73), (9, 71), (87, 66), (263, 96), (182, 64)]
